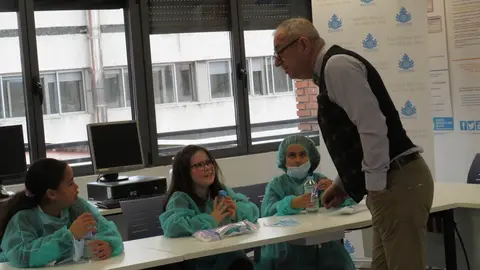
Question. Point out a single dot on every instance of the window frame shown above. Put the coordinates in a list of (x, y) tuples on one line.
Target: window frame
[(140, 83)]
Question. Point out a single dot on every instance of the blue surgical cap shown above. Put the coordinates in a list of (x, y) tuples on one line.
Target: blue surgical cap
[(306, 143)]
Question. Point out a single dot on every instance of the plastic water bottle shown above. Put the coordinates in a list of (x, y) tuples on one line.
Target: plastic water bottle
[(311, 187), (88, 248)]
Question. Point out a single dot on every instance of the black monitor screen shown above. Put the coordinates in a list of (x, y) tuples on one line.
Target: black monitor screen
[(115, 145), (12, 151)]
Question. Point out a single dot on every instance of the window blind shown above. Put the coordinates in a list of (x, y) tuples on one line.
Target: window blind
[(268, 14), (186, 16), (77, 4)]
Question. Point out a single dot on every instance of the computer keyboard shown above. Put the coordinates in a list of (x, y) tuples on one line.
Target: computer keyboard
[(115, 203)]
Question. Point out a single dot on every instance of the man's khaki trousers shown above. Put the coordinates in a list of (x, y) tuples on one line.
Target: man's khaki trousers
[(399, 216)]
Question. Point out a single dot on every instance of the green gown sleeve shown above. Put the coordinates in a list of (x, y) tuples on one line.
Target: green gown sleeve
[(23, 247), (106, 230), (246, 210), (274, 204), (180, 220)]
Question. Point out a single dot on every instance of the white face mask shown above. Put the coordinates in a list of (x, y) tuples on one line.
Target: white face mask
[(299, 172)]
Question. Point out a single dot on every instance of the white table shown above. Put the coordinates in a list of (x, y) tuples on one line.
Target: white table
[(310, 225), (133, 258)]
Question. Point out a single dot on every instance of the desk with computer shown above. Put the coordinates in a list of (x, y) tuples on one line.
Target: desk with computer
[(115, 148)]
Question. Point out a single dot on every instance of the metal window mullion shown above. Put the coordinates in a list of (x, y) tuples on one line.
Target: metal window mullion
[(137, 33), (33, 108), (239, 65)]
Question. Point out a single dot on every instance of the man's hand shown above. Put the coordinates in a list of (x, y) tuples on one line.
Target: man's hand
[(333, 196), (323, 184)]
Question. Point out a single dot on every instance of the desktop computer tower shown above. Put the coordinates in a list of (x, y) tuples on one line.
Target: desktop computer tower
[(133, 187)]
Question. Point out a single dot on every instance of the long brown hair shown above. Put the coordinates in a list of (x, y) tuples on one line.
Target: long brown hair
[(182, 178)]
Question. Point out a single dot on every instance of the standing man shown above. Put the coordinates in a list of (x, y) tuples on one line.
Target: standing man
[(365, 138)]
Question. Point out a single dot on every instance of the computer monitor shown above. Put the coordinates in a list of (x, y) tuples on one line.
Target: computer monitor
[(115, 147), (12, 155)]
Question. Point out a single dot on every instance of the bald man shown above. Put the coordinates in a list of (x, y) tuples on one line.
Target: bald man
[(365, 138)]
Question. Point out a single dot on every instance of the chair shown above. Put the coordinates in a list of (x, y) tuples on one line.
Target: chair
[(255, 194), (142, 217)]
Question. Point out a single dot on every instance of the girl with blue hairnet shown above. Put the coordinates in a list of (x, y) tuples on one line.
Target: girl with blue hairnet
[(298, 157), (194, 204), (47, 223)]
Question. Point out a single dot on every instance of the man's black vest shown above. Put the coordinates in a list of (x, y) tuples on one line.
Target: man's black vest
[(341, 135)]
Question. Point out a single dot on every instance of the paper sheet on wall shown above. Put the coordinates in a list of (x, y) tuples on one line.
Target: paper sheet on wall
[(442, 112), (392, 36), (463, 17)]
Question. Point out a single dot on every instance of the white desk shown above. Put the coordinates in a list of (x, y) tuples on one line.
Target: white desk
[(133, 258)]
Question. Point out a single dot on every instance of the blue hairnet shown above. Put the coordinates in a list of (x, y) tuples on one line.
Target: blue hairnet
[(307, 144)]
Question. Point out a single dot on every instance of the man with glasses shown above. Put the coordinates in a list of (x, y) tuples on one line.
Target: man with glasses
[(366, 140)]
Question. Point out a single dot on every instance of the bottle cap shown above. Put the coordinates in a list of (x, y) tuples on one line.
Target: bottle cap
[(222, 193)]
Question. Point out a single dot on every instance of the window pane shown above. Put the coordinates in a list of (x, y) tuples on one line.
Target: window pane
[(12, 99), (113, 84), (275, 88), (163, 84), (220, 79), (50, 94), (185, 73), (13, 95), (280, 80), (202, 83), (88, 85), (258, 75)]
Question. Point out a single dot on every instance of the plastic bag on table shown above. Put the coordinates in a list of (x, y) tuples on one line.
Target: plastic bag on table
[(229, 230)]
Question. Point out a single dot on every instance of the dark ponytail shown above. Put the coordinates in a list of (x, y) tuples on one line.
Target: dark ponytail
[(42, 175)]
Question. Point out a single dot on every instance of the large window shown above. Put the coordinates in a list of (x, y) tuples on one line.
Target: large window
[(12, 98), (69, 39), (179, 69)]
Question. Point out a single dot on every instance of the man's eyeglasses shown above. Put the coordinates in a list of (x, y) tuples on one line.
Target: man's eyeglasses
[(201, 165), (277, 53)]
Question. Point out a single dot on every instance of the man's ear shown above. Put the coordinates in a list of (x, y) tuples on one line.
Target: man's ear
[(305, 44)]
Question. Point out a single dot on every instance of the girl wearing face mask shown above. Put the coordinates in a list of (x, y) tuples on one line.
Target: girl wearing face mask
[(193, 205), (298, 157)]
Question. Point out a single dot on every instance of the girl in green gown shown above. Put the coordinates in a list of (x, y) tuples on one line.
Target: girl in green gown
[(47, 223), (298, 156), (193, 205)]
